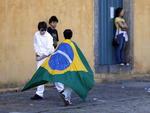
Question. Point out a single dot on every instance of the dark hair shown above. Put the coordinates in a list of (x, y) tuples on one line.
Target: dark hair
[(118, 11), (68, 34), (53, 19), (42, 25)]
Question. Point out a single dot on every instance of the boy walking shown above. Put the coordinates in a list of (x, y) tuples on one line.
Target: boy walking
[(68, 67), (43, 46)]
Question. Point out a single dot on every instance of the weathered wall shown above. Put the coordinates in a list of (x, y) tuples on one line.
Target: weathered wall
[(18, 22), (142, 35)]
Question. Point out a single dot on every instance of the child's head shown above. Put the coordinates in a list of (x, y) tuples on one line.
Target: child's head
[(68, 34), (42, 27), (119, 12), (53, 21)]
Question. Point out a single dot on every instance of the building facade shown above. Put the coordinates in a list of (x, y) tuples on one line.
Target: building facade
[(90, 21)]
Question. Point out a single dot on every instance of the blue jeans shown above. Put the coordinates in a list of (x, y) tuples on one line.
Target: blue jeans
[(120, 50)]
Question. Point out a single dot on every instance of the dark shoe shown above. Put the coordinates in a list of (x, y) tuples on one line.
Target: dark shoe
[(36, 97), (67, 103)]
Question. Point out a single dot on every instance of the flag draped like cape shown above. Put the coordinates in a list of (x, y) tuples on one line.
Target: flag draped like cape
[(66, 65)]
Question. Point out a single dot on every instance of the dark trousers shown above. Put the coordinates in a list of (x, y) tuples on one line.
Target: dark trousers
[(120, 49)]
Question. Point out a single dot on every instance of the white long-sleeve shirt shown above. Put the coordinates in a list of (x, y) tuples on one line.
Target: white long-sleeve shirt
[(43, 44)]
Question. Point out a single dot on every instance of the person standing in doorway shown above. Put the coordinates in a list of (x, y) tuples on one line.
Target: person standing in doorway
[(121, 35), (53, 21), (43, 46)]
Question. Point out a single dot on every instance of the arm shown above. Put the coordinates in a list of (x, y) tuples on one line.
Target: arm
[(36, 46), (57, 35), (122, 25), (50, 46)]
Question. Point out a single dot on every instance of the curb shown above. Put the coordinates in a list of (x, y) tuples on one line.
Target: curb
[(18, 89), (10, 90)]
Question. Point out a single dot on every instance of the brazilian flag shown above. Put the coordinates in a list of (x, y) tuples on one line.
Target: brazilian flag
[(66, 65)]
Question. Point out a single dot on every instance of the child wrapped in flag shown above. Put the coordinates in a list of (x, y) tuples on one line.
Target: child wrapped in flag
[(67, 68)]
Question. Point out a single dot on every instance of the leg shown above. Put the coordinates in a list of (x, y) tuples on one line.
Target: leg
[(122, 55), (59, 86), (40, 89), (118, 50), (64, 92), (67, 92)]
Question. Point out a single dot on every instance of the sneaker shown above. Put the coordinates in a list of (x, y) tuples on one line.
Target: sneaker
[(67, 103), (127, 64), (148, 90), (122, 64), (70, 103), (36, 97)]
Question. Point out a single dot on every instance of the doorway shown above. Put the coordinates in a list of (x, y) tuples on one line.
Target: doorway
[(105, 61)]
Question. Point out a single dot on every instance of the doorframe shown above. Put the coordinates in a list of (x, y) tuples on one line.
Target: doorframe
[(128, 6)]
